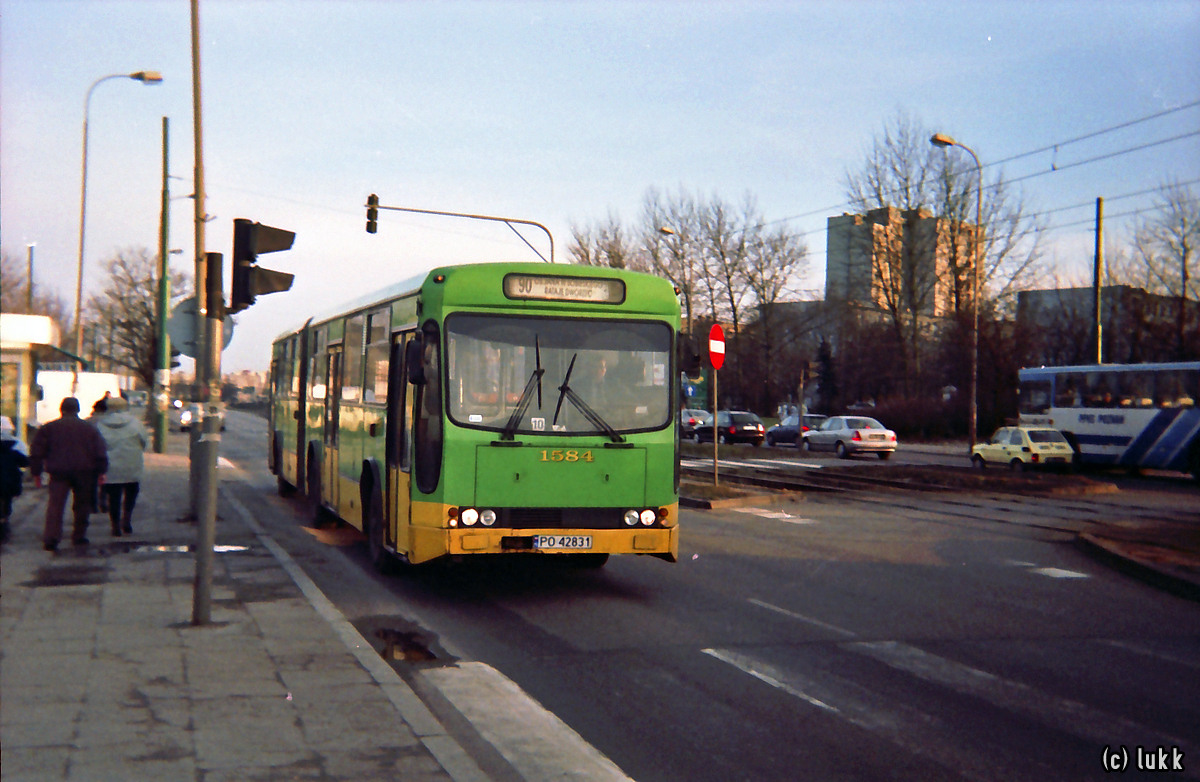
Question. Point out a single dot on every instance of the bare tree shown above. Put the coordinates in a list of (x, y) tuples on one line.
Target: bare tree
[(121, 318), (923, 253), (604, 243), (899, 177), (774, 260), (1167, 244), (671, 242), (15, 290)]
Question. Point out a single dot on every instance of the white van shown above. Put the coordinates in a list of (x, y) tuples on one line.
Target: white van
[(56, 386)]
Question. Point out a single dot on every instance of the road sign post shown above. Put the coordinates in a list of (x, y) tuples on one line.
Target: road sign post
[(716, 355)]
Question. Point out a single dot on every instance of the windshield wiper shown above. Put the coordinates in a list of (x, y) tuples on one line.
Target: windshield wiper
[(535, 381), (565, 392)]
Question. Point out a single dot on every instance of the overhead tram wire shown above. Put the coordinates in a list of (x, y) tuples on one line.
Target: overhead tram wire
[(1047, 148)]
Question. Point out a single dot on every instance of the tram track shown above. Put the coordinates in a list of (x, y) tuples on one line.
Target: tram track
[(1063, 516)]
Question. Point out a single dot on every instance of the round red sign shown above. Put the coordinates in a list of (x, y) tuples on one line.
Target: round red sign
[(716, 346)]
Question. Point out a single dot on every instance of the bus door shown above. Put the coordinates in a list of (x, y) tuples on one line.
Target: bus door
[(399, 448), (333, 404)]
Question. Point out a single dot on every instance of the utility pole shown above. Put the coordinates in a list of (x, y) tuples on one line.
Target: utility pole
[(162, 368), (203, 445), (1098, 279)]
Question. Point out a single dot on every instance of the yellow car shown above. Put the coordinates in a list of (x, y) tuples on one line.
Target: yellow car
[(1021, 447)]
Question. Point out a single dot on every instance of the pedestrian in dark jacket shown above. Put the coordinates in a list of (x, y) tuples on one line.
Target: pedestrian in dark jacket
[(75, 455), (127, 440)]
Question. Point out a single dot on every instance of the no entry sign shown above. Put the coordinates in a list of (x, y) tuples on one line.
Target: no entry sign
[(716, 346)]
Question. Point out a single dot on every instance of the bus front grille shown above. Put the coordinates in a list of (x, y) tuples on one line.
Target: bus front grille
[(559, 518)]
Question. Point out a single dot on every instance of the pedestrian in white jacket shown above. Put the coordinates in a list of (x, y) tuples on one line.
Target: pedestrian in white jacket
[(127, 439)]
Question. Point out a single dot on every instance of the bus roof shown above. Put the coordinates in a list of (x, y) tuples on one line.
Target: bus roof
[(478, 284), (1165, 366)]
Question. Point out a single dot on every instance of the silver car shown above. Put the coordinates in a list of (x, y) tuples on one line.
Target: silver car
[(846, 435)]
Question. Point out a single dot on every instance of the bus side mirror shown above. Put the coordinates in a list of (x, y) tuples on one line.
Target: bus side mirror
[(413, 359), (39, 394), (688, 357)]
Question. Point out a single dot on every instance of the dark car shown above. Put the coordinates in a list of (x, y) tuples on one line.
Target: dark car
[(734, 426), (689, 419), (792, 428)]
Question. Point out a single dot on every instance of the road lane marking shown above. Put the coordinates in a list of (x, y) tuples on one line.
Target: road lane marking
[(1017, 697), (801, 617), (1054, 572), (775, 515)]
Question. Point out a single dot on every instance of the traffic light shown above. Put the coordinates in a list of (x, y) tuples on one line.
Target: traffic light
[(372, 213), (249, 280)]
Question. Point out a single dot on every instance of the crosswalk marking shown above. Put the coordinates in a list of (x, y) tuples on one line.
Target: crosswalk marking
[(1148, 652), (916, 731)]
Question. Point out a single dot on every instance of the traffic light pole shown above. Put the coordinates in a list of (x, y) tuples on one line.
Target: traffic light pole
[(208, 443)]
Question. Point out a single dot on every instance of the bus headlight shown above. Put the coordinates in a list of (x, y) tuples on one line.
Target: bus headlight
[(647, 517), (469, 516), (631, 518), (488, 517)]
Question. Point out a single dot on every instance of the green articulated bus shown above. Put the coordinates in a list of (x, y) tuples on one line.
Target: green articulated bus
[(504, 409)]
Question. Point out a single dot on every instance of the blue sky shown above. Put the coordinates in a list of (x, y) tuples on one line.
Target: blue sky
[(558, 113)]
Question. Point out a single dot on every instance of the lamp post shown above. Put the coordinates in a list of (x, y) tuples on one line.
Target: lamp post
[(29, 281), (943, 141), (145, 77)]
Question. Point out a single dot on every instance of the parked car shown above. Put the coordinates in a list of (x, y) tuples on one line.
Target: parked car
[(1021, 447), (792, 427), (847, 435), (689, 419), (182, 414), (733, 426)]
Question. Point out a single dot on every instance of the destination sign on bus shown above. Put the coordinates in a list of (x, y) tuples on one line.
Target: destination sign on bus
[(596, 291)]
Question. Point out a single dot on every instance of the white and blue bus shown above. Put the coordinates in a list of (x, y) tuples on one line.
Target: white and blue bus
[(1123, 415)]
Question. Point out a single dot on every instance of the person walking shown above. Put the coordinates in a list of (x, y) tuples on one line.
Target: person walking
[(127, 439), (13, 456), (75, 455)]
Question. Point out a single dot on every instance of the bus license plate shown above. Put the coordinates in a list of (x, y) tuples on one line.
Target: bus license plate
[(562, 541)]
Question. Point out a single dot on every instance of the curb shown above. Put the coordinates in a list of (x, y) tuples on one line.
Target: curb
[(1111, 553)]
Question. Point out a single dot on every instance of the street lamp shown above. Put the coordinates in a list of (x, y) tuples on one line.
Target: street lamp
[(145, 77), (943, 141)]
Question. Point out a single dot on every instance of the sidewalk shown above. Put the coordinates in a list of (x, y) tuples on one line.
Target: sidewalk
[(103, 677)]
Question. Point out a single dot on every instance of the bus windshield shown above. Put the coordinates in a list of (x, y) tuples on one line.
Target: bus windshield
[(619, 369)]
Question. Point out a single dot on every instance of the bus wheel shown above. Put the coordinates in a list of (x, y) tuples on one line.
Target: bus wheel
[(313, 493), (381, 559), (587, 561)]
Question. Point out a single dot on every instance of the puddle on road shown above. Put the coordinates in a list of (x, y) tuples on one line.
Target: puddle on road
[(400, 645), (405, 645), (191, 547)]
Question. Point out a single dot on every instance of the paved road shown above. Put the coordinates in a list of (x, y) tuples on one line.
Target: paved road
[(862, 636)]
